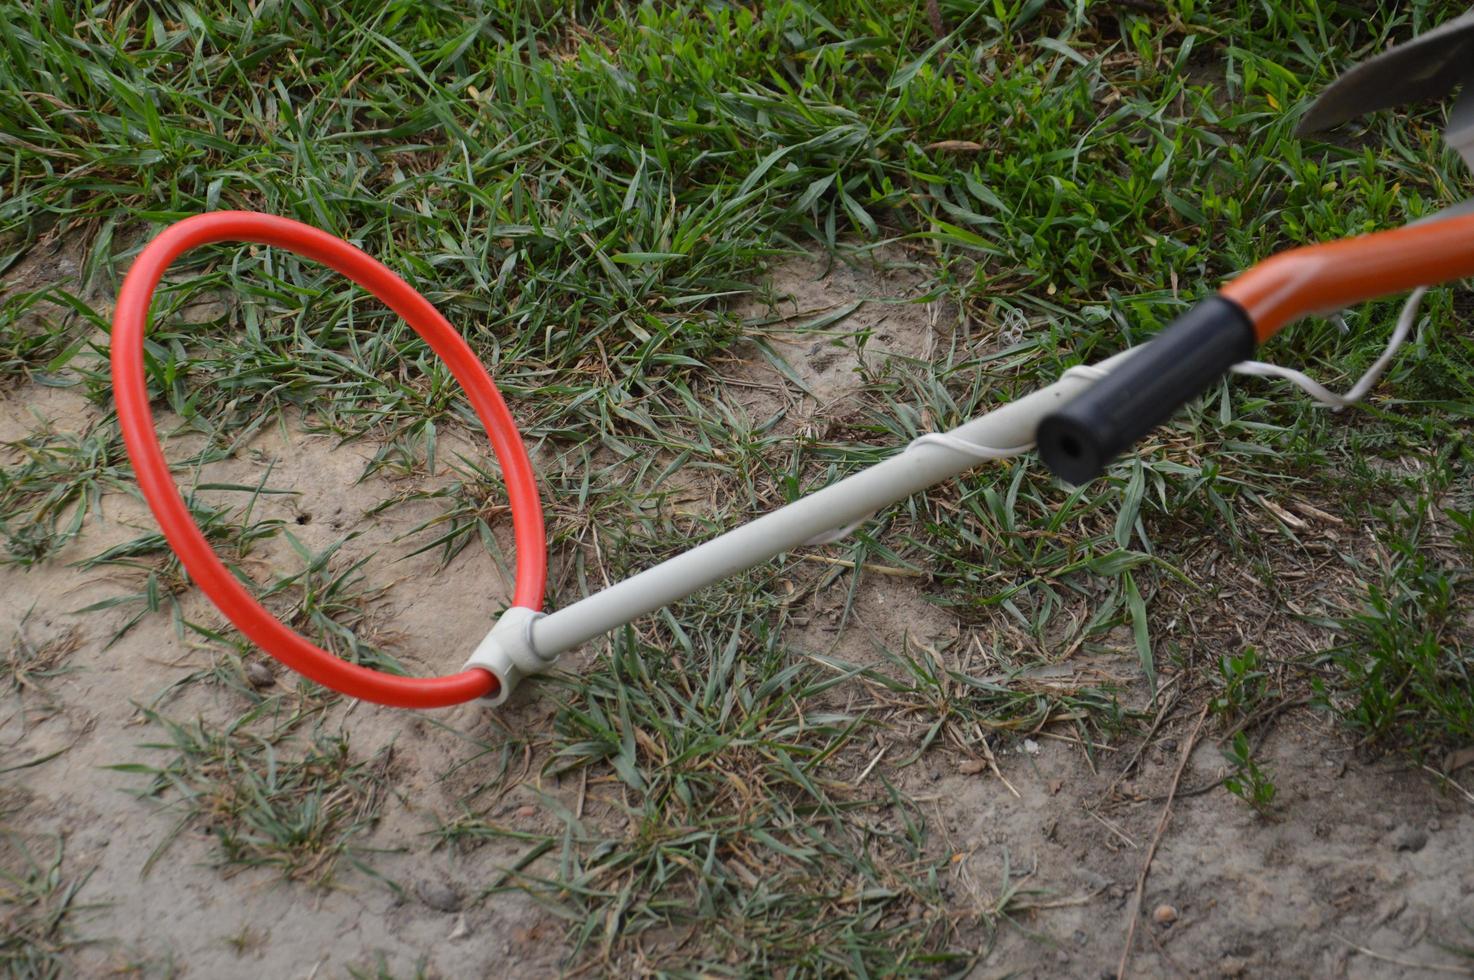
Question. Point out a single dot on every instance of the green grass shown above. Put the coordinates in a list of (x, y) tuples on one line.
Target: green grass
[(28, 664), (738, 825), (49, 484), (38, 903), (1404, 661), (267, 796), (589, 192)]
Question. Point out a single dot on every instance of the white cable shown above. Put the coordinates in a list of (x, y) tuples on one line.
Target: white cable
[(946, 441), (1257, 369), (1359, 390), (980, 453), (1089, 372), (973, 450)]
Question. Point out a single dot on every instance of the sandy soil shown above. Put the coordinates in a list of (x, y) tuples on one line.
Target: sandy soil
[(1364, 870)]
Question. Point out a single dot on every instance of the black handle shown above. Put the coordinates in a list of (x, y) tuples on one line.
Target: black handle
[(1078, 440)]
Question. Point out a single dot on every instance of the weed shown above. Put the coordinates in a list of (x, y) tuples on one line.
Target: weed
[(1244, 685), (245, 940), (380, 970), (1404, 663), (51, 483), (473, 503), (1464, 535), (38, 902), (265, 799), (158, 572), (962, 708), (733, 819), (1250, 782), (329, 601), (35, 348), (26, 664)]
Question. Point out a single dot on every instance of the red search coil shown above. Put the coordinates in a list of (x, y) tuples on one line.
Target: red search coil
[(130, 392)]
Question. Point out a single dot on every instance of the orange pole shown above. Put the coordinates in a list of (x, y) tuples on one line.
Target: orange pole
[(1335, 275)]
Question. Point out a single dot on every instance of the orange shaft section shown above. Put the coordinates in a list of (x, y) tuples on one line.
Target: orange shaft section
[(1333, 276)]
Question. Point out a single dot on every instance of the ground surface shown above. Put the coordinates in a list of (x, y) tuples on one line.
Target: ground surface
[(1216, 703), (1038, 858)]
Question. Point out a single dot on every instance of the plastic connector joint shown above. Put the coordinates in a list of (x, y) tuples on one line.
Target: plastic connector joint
[(508, 653)]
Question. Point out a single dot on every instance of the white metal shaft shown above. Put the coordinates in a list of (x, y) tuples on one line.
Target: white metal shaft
[(525, 642), (840, 504)]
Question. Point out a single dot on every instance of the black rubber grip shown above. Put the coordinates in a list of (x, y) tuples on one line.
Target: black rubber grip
[(1196, 349)]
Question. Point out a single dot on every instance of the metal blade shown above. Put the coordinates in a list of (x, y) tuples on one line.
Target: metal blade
[(1427, 67)]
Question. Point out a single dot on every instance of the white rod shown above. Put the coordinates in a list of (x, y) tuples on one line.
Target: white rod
[(837, 505)]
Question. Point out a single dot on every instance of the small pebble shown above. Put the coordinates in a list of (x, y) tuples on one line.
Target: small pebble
[(1031, 746), (439, 896), (259, 675), (1164, 915), (1232, 966)]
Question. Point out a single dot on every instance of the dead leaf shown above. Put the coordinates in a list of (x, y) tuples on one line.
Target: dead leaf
[(1284, 515), (955, 146), (1310, 510), (1458, 759)]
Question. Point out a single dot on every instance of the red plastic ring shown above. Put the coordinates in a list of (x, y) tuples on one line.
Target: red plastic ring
[(130, 392)]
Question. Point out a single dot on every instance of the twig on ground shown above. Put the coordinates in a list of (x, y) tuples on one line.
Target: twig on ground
[(993, 765), (1435, 967), (1151, 851), (1264, 717), (1060, 903), (866, 566), (1443, 776), (1135, 759), (1162, 951), (1096, 746), (1114, 829)]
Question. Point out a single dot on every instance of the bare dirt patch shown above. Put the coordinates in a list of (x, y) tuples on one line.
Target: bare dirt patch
[(163, 891), (816, 329)]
